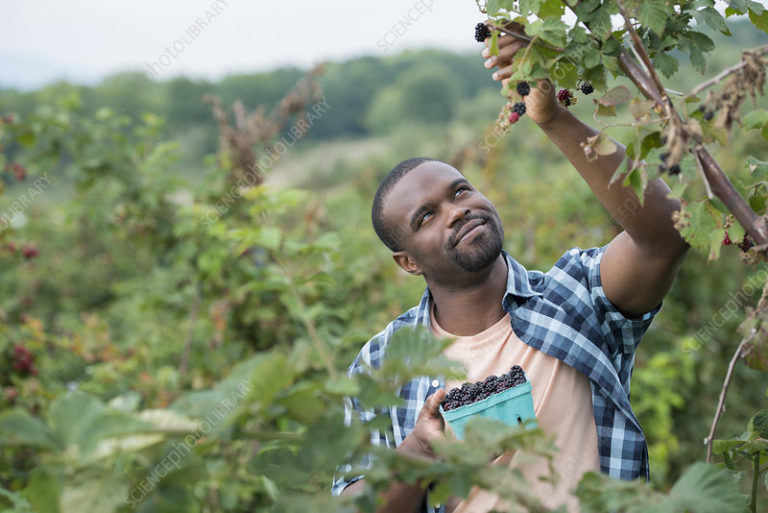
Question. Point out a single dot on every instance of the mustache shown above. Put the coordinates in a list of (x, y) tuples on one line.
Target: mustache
[(464, 221)]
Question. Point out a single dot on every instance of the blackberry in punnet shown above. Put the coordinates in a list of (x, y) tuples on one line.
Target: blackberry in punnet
[(482, 32), (470, 393), (523, 89), (519, 107), (587, 88)]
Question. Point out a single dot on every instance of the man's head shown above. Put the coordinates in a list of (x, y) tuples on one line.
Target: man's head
[(434, 221)]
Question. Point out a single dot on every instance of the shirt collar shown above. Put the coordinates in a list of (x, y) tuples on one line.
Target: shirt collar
[(517, 279)]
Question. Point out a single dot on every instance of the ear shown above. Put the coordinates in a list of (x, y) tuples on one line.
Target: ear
[(407, 263)]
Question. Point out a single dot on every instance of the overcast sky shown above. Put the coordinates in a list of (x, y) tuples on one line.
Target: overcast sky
[(85, 40)]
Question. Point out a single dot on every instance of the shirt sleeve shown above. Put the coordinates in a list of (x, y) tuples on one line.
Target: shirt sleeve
[(622, 334), (347, 474)]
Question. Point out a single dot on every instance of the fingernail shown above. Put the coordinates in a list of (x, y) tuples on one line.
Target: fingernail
[(485, 53), (489, 63), (495, 76)]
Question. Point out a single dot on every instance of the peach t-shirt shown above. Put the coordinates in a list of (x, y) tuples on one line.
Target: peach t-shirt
[(562, 403)]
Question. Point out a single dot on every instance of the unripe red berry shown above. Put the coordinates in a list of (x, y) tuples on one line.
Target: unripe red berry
[(29, 252), (19, 171), (514, 117), (727, 239)]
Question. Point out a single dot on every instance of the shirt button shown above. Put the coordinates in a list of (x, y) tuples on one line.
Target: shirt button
[(435, 383)]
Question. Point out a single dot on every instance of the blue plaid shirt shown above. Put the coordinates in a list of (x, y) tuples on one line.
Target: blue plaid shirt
[(563, 313)]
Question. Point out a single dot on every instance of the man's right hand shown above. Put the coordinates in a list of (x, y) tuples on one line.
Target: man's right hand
[(429, 426)]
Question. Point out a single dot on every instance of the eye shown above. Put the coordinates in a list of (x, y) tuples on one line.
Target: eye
[(461, 189), (424, 218)]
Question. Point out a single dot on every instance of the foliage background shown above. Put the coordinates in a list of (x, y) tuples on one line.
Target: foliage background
[(285, 287)]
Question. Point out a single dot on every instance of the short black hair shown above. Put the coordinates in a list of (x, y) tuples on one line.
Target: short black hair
[(388, 234)]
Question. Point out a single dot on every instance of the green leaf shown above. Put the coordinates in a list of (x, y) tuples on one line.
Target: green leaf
[(759, 20), (72, 415), (551, 8), (650, 141), (757, 119), (653, 14), (701, 219), (605, 110), (616, 96), (601, 24), (759, 423), (17, 427), (758, 168), (666, 64), (530, 6), (704, 488), (709, 16), (593, 58), (551, 30), (44, 491)]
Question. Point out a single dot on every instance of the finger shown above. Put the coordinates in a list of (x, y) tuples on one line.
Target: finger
[(432, 405), (503, 73)]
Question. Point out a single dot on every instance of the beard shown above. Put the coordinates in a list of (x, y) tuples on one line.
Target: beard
[(482, 251)]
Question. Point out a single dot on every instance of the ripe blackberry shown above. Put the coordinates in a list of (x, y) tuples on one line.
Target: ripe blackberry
[(565, 97), (519, 107), (587, 88), (514, 117), (482, 32), (674, 169), (708, 115), (523, 88), (726, 239), (470, 393)]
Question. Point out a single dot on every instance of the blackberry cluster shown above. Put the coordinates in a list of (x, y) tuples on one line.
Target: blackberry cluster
[(523, 88), (587, 88), (519, 107), (470, 393), (565, 97), (482, 32)]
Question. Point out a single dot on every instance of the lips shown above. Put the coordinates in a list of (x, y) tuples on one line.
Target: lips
[(468, 227)]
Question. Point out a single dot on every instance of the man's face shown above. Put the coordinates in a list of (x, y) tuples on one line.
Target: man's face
[(443, 223)]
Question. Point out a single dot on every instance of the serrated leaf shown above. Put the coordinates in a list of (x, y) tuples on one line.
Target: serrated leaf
[(551, 8), (601, 24), (551, 30), (759, 423), (757, 119), (650, 141), (758, 168), (759, 20), (704, 488), (17, 427), (666, 64), (715, 243), (701, 220), (653, 14), (616, 96), (709, 16), (593, 58)]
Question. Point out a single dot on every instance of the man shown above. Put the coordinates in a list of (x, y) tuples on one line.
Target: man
[(573, 329)]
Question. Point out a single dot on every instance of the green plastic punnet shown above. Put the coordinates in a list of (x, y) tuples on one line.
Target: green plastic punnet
[(512, 406)]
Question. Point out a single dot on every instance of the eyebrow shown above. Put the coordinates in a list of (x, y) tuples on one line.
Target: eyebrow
[(425, 208)]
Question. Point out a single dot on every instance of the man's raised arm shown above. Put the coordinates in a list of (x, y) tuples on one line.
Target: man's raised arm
[(639, 265)]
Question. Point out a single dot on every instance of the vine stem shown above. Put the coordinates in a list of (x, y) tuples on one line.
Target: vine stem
[(724, 391), (183, 364), (726, 72), (755, 480)]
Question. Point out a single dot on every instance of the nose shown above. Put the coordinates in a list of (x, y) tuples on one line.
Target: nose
[(456, 213)]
